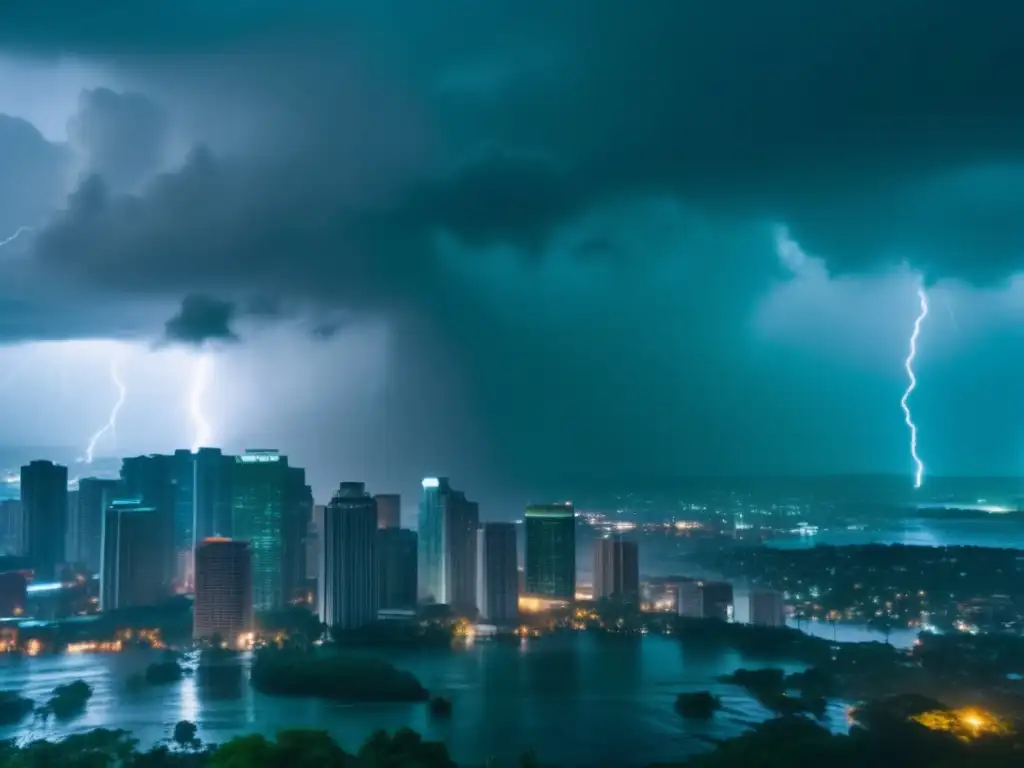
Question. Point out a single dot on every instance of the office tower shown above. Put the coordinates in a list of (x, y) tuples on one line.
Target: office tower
[(434, 498), (704, 599), (297, 512), (314, 538), (94, 496), (270, 510), (12, 528), (497, 573), (616, 570), (71, 532), (44, 501), (551, 551), (396, 561), (223, 605), (348, 590), (153, 480), (389, 510), (447, 545), (759, 606), (202, 504), (131, 571)]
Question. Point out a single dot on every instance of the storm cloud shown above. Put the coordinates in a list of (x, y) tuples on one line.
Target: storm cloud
[(570, 207)]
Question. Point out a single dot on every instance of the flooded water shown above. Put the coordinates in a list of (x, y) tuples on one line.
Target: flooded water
[(577, 698)]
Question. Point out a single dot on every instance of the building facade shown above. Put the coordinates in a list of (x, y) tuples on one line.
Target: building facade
[(223, 603), (616, 570), (497, 573), (130, 571), (389, 510), (397, 566), (152, 479), (95, 495), (759, 606), (551, 551), (44, 503), (447, 545), (704, 599), (348, 590), (270, 511), (12, 528)]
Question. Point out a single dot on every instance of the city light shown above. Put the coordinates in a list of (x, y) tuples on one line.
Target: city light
[(430, 482)]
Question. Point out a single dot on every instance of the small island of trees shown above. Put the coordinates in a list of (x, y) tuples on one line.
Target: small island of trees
[(331, 675)]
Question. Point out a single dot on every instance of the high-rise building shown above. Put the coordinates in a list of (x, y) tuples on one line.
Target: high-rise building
[(704, 599), (396, 561), (131, 572), (202, 504), (348, 589), (616, 570), (551, 551), (447, 545), (44, 502), (153, 480), (12, 527), (497, 573), (759, 606), (313, 540), (13, 594), (270, 510), (297, 512), (94, 496), (223, 604), (389, 510)]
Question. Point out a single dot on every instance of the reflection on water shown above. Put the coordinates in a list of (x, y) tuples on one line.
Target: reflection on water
[(616, 693)]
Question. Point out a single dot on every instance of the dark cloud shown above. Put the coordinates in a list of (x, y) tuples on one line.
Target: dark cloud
[(118, 136), (33, 175), (603, 252), (201, 319)]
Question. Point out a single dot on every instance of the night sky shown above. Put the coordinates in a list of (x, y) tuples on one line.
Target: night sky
[(517, 240)]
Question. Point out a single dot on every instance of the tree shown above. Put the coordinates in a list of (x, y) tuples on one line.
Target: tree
[(185, 735)]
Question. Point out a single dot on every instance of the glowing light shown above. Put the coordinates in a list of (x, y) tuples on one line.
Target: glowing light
[(17, 233), (111, 425), (200, 379), (430, 482), (908, 365)]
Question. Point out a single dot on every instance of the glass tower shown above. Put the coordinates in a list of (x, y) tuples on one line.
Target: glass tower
[(551, 551)]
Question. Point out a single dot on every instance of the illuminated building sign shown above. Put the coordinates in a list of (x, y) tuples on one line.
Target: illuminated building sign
[(259, 458)]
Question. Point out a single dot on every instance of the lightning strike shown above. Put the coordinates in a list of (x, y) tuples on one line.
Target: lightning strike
[(200, 379), (111, 425), (17, 233), (908, 366)]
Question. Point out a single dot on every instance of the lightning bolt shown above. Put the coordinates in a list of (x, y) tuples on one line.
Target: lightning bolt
[(17, 233), (200, 379), (908, 366), (111, 425)]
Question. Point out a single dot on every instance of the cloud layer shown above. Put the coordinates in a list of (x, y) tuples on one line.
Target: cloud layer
[(575, 218)]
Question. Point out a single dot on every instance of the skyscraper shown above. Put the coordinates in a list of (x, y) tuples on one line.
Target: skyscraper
[(389, 510), (497, 573), (202, 504), (551, 551), (431, 562), (223, 605), (348, 588), (12, 527), (447, 545), (270, 509), (153, 480), (44, 502), (760, 606), (396, 560), (461, 524), (130, 572), (616, 570), (95, 495)]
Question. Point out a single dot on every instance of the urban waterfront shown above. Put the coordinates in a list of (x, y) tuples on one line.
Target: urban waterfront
[(619, 690)]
